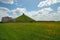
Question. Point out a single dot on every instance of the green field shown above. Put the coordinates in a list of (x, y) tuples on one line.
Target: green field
[(30, 31)]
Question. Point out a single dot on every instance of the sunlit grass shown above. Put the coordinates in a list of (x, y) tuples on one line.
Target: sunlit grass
[(30, 31)]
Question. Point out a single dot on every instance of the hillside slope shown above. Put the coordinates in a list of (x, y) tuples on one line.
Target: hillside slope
[(24, 18)]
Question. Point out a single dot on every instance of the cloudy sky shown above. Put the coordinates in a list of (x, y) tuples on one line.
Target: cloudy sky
[(39, 10)]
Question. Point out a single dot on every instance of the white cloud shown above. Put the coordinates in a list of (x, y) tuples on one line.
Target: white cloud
[(3, 12), (14, 13), (58, 11), (37, 14), (45, 11), (45, 14), (47, 3), (7, 1), (17, 12), (58, 8)]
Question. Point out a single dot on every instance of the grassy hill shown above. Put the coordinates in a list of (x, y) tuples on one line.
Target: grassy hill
[(24, 18), (30, 31)]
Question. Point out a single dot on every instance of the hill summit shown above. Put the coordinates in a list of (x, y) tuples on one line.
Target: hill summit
[(24, 18)]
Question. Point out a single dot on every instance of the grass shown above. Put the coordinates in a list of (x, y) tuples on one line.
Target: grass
[(24, 18), (30, 31)]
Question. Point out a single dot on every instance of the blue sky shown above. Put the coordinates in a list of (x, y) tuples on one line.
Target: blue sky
[(30, 5)]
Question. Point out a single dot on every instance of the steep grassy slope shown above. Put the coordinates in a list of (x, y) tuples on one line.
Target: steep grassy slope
[(24, 18), (30, 31)]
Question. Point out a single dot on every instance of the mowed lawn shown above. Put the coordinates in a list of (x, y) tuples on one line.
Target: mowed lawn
[(30, 31)]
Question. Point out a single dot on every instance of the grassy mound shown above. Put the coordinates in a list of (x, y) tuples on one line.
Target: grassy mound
[(24, 18)]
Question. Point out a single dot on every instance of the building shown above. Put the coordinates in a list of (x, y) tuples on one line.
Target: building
[(7, 19)]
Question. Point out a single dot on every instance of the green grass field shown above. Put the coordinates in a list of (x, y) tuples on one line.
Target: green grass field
[(30, 31)]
